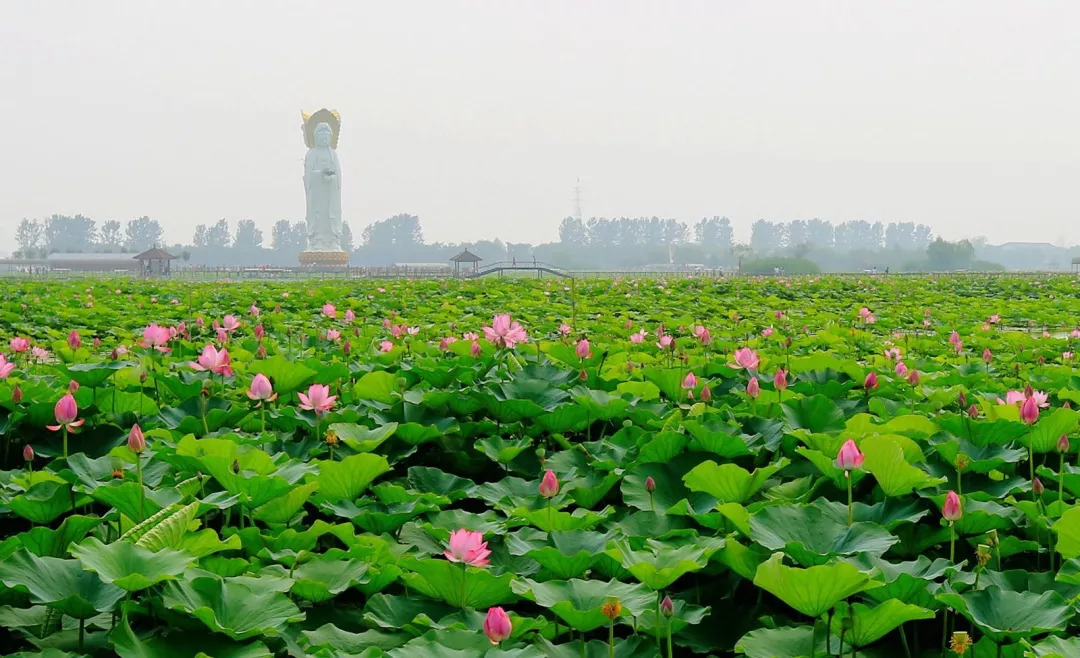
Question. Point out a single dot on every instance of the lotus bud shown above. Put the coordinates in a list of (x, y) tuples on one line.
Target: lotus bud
[(913, 377), (952, 510), (346, 348), (871, 381), (1029, 411), (612, 609), (261, 352), (1028, 391), (1041, 360), (780, 380), (236, 466), (16, 394), (97, 342), (988, 356), (583, 376), (73, 386), (973, 411), (114, 355), (1063, 444), (650, 484), (549, 484), (1066, 405), (1037, 487), (667, 607), (753, 387), (136, 440), (28, 453), (497, 626), (142, 377), (706, 393), (962, 400), (850, 457), (541, 454)]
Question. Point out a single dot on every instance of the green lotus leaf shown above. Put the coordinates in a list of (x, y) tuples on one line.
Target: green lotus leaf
[(408, 613), (228, 607), (816, 413), (1004, 615), (441, 579), (130, 566), (1044, 434), (502, 451), (287, 376), (884, 459), (378, 386), (1053, 647), (42, 503), (663, 565), (813, 591), (782, 642), (812, 536), (323, 578), (344, 643), (346, 479), (716, 436), (548, 519), (579, 603), (128, 644), (59, 583), (283, 508), (729, 483), (46, 542), (360, 438), (869, 624)]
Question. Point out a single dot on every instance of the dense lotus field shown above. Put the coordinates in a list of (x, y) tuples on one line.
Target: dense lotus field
[(875, 466)]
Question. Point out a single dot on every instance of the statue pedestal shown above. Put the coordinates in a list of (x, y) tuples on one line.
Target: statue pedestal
[(324, 259)]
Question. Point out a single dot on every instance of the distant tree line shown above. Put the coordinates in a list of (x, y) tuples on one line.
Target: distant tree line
[(36, 238)]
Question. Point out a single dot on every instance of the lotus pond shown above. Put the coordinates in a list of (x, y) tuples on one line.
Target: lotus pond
[(831, 466)]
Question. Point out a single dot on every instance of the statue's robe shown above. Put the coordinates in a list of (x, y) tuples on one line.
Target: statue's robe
[(323, 199)]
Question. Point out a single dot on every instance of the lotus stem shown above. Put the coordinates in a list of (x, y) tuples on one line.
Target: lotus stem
[(584, 653), (142, 494), (670, 653), (828, 631), (82, 632), (656, 631), (952, 542), (903, 641), (65, 432), (850, 509), (263, 414), (611, 638), (1061, 478), (464, 572)]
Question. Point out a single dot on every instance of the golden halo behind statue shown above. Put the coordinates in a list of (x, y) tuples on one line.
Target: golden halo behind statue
[(311, 121)]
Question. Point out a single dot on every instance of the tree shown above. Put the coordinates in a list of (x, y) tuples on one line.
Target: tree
[(281, 236), (572, 232), (346, 237), (201, 237), (248, 236), (766, 237), (217, 236), (713, 232), (143, 233), (942, 255), (30, 236), (399, 230), (110, 235), (76, 233)]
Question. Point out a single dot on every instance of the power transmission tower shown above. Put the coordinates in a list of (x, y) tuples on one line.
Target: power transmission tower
[(577, 200)]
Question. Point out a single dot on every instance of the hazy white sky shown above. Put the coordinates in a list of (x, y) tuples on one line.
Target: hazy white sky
[(479, 116)]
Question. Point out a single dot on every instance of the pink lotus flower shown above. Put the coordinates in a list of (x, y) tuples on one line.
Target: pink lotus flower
[(254, 311), (994, 319), (445, 343), (329, 310), (780, 380), (549, 484), (229, 323), (753, 387), (913, 377), (318, 399), (136, 441), (475, 350), (470, 335), (665, 342), (386, 323), (871, 382), (386, 346), (702, 334), (767, 332), (745, 358), (1029, 411), (28, 453), (39, 353), (65, 412), (213, 360), (73, 340), (16, 395), (638, 338), (468, 547), (349, 315), (505, 333), (412, 331), (222, 335), (706, 393), (582, 350), (260, 332), (952, 510), (261, 389), (497, 626), (156, 337), (20, 344), (397, 330), (1066, 356), (1041, 398), (200, 322), (850, 457), (893, 354), (333, 335), (1075, 333), (73, 386), (954, 337), (689, 383), (901, 369), (564, 329), (5, 367)]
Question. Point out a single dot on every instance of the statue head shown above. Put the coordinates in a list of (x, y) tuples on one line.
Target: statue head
[(323, 135)]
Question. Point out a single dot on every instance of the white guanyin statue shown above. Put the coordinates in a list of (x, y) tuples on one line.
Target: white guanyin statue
[(322, 181)]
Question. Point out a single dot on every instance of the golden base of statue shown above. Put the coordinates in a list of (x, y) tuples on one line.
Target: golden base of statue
[(324, 258)]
